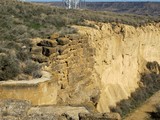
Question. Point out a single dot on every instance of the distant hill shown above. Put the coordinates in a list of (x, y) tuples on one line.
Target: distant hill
[(141, 8), (151, 8)]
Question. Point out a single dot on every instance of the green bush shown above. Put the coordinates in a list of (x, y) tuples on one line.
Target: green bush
[(36, 74), (23, 55), (32, 68), (9, 67)]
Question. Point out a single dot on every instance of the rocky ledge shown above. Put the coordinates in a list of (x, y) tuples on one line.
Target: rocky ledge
[(23, 110)]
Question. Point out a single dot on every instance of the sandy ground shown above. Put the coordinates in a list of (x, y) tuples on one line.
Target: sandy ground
[(148, 106)]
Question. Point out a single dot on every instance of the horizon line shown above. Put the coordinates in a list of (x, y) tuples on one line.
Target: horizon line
[(97, 0)]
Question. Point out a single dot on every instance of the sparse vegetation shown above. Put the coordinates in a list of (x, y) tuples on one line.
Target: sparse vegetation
[(149, 84), (20, 21), (9, 67), (142, 8), (32, 68)]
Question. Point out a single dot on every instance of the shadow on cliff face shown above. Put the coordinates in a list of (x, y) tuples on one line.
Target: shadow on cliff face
[(148, 85)]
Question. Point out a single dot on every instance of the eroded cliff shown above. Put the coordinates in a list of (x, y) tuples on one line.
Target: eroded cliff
[(100, 66), (121, 52)]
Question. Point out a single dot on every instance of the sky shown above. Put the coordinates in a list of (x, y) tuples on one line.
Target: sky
[(101, 0)]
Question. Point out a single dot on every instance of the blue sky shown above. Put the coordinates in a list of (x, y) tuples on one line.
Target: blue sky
[(100, 0)]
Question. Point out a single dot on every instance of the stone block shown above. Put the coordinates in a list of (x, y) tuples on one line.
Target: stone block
[(39, 58), (54, 36), (36, 50), (41, 91), (63, 41), (48, 43), (47, 51)]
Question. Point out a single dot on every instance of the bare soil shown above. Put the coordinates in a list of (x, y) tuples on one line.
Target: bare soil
[(148, 106)]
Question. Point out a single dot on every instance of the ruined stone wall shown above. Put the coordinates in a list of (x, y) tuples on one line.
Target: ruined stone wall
[(99, 65), (71, 60), (40, 91)]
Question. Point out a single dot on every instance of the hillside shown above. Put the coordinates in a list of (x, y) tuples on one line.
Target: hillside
[(65, 62), (140, 8), (20, 21)]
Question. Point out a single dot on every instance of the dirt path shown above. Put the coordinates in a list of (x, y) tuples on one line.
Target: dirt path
[(148, 106)]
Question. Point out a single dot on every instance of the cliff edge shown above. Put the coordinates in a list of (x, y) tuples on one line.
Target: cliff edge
[(121, 53)]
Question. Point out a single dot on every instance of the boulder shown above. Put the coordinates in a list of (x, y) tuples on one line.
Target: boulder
[(63, 41), (54, 36)]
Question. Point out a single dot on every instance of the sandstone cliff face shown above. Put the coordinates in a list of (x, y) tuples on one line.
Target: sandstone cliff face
[(98, 67), (121, 52), (72, 62)]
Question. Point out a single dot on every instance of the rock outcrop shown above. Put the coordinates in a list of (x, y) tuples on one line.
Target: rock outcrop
[(99, 66), (23, 110), (121, 52), (99, 116), (70, 59)]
